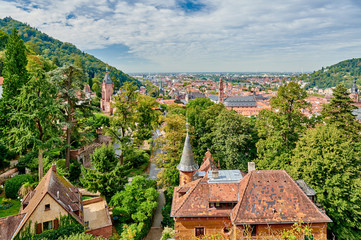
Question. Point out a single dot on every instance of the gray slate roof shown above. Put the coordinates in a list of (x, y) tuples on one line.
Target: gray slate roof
[(187, 163), (305, 188), (237, 101), (107, 78)]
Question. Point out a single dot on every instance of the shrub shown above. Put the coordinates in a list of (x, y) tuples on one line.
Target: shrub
[(81, 236), (29, 160), (167, 219), (13, 185)]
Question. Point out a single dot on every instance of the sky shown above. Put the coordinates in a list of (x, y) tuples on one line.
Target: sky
[(201, 35)]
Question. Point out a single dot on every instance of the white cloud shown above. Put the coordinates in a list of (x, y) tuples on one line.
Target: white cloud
[(226, 35)]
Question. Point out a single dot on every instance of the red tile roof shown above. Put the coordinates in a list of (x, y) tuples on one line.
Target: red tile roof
[(262, 197), (272, 196), (1, 80)]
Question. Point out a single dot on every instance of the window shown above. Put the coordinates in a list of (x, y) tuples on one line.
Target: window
[(309, 237), (253, 230), (47, 225), (226, 230), (199, 231), (47, 207)]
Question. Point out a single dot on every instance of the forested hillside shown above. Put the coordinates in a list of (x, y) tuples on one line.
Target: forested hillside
[(59, 52), (342, 72)]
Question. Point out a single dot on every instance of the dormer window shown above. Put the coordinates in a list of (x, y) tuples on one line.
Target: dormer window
[(47, 207)]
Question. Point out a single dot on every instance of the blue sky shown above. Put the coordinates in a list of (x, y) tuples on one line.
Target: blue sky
[(201, 35)]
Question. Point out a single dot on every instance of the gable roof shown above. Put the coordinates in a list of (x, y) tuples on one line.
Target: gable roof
[(54, 185), (272, 196), (8, 225), (207, 163), (199, 193)]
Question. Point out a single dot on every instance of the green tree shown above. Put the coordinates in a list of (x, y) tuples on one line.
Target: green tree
[(232, 140), (14, 72), (3, 39), (68, 80), (108, 176), (147, 117), (122, 124), (329, 161), (280, 128), (35, 119), (339, 112)]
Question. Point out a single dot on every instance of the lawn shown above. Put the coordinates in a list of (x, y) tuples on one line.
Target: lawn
[(13, 210)]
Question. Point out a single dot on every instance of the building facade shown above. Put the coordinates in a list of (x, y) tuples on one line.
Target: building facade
[(107, 88)]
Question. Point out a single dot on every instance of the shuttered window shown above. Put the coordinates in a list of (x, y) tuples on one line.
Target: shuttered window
[(56, 223), (39, 228), (199, 231)]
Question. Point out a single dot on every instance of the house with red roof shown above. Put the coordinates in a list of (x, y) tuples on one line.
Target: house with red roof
[(259, 204)]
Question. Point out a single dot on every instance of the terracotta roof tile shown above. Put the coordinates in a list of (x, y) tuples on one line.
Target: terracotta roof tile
[(272, 196), (1, 80)]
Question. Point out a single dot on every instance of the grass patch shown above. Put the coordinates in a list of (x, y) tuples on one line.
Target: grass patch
[(87, 197), (13, 210)]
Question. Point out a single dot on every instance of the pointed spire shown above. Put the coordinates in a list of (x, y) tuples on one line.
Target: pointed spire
[(187, 163), (107, 77)]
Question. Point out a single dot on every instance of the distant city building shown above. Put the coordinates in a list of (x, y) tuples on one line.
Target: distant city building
[(107, 88)]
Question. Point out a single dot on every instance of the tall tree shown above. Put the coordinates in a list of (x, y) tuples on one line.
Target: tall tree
[(122, 124), (280, 128), (147, 117), (15, 76), (68, 80), (232, 140), (36, 117), (14, 72), (107, 175), (339, 112), (329, 161)]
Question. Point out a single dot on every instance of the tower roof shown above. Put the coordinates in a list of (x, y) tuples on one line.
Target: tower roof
[(107, 77), (354, 87), (187, 163)]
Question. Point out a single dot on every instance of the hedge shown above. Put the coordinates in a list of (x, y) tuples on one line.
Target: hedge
[(13, 185)]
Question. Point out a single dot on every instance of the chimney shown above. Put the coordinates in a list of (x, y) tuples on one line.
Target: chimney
[(215, 173), (57, 195), (53, 167), (251, 167)]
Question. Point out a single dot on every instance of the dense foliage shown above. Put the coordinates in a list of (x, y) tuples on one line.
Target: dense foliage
[(342, 72), (135, 206), (61, 53), (107, 175), (329, 161), (13, 185), (81, 236)]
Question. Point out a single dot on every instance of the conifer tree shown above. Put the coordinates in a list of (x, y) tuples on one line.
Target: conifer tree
[(14, 72), (107, 175), (35, 117), (339, 112), (15, 76), (68, 80)]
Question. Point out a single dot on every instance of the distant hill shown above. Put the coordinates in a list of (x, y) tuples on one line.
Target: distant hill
[(62, 52), (342, 72)]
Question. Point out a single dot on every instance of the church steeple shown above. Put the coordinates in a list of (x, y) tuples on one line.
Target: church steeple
[(221, 91), (187, 165)]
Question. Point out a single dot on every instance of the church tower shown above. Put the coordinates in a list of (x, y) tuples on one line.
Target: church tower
[(107, 93), (354, 91), (221, 91), (187, 167)]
